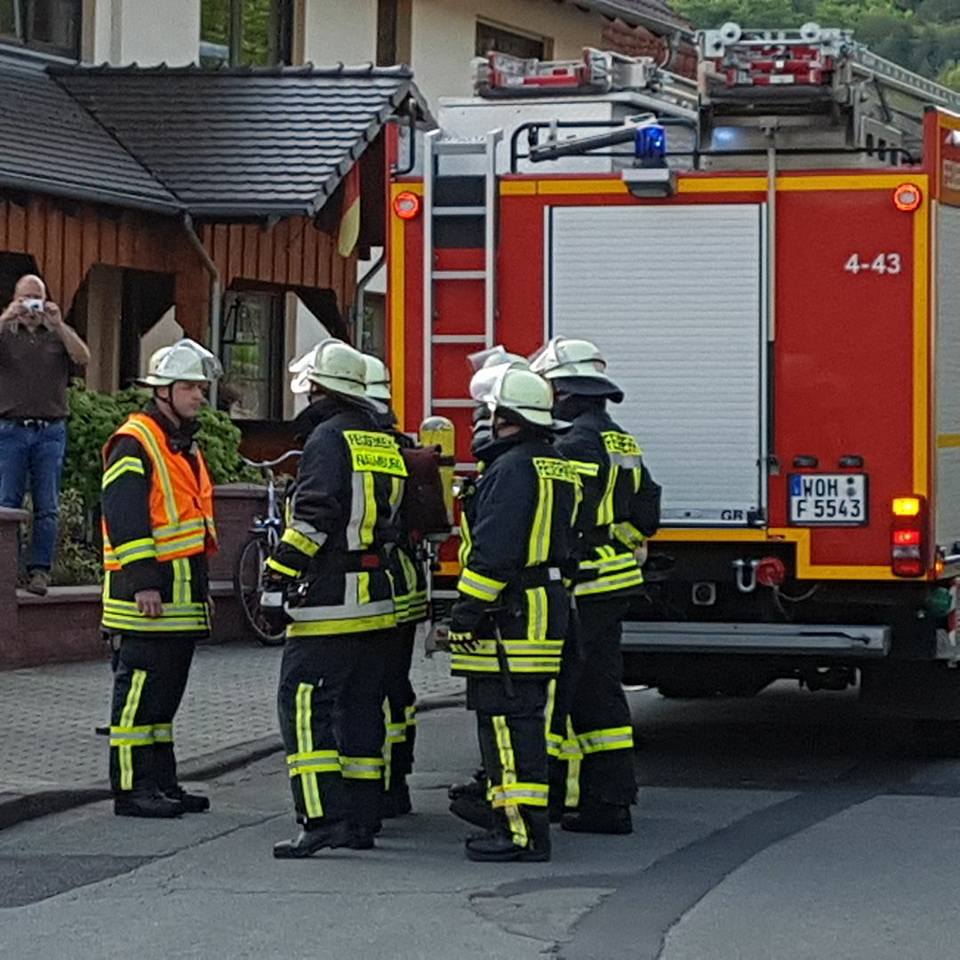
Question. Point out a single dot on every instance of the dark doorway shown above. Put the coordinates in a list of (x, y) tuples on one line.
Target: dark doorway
[(145, 298), (12, 267)]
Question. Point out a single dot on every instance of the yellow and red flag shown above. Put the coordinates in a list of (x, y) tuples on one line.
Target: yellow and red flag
[(349, 231)]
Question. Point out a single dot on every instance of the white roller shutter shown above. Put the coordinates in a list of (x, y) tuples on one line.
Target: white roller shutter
[(674, 297), (947, 358)]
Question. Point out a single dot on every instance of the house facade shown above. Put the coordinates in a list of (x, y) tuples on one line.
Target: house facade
[(131, 292)]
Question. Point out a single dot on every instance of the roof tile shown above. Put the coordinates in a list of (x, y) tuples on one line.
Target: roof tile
[(50, 141), (247, 142), (229, 142)]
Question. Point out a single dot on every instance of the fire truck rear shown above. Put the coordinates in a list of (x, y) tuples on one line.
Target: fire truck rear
[(768, 257)]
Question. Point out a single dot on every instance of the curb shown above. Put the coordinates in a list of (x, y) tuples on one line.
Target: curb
[(16, 808)]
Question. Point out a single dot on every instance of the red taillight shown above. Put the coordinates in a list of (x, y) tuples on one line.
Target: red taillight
[(908, 566), (907, 547), (906, 538)]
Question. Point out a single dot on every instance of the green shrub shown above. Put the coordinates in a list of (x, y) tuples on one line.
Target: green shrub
[(78, 559), (93, 418), (219, 438)]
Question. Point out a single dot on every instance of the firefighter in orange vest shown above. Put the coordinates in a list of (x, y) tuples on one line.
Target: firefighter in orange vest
[(158, 531)]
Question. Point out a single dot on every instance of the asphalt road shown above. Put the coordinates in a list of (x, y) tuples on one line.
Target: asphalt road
[(785, 827)]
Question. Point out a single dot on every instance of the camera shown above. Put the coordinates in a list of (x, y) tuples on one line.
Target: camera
[(34, 304)]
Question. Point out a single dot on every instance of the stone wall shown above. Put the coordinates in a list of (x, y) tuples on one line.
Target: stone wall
[(65, 625)]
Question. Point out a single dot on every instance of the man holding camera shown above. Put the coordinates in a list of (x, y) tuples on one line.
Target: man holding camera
[(36, 352)]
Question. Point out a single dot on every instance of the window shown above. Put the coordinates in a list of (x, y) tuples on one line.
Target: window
[(393, 31), (50, 26), (504, 40), (252, 385), (255, 33)]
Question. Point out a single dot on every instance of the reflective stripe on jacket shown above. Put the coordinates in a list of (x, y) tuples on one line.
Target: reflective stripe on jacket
[(409, 575), (341, 520), (517, 532), (181, 500), (620, 507), (157, 530)]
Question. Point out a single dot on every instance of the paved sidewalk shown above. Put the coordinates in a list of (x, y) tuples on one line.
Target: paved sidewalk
[(51, 758)]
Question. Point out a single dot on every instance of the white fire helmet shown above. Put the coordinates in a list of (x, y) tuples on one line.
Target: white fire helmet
[(378, 378), (488, 366), (518, 390), (186, 361), (575, 366), (333, 365)]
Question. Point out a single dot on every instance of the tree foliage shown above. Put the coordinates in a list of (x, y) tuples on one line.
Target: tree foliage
[(922, 35)]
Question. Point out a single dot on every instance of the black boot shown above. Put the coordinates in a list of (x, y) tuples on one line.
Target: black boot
[(362, 838), (612, 818), (192, 802), (477, 787), (310, 840), (150, 804), (396, 802), (498, 846), (473, 809)]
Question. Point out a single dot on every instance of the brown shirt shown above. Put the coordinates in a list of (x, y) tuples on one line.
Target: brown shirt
[(34, 373)]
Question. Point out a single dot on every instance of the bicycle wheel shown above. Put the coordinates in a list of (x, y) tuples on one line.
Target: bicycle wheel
[(248, 583)]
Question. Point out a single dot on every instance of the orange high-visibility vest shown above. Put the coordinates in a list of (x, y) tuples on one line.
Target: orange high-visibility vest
[(181, 502)]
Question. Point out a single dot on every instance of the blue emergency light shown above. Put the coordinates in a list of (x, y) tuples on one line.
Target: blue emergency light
[(650, 145)]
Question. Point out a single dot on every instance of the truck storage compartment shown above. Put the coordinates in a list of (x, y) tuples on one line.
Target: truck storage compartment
[(674, 297)]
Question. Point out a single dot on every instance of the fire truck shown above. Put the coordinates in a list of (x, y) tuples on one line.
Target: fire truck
[(769, 257)]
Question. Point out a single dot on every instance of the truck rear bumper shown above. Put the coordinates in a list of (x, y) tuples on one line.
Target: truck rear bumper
[(787, 639)]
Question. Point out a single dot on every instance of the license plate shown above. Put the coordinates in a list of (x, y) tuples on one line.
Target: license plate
[(831, 499)]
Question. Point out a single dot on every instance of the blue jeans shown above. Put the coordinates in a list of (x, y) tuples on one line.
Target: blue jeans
[(37, 451)]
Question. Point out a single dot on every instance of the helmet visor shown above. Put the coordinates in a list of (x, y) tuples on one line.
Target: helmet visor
[(493, 356), (212, 367), (302, 363)]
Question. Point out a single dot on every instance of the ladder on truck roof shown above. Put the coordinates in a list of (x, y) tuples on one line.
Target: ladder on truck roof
[(838, 95), (435, 149), (805, 60), (596, 73)]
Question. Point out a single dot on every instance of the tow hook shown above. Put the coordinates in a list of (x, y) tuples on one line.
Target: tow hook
[(746, 575)]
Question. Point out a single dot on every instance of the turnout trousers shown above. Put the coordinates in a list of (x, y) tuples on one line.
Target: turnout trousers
[(590, 731), (399, 710), (149, 677), (512, 736), (330, 703)]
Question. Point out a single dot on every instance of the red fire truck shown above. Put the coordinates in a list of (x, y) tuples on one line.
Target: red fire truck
[(769, 257)]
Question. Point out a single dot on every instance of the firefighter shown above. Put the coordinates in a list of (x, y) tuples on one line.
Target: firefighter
[(331, 569), (507, 626), (491, 360), (410, 598), (158, 531), (471, 800), (591, 740)]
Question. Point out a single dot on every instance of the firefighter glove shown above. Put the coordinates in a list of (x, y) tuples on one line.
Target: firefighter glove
[(462, 641), (464, 622), (271, 606)]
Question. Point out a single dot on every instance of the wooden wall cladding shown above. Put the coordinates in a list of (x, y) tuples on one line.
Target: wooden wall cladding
[(67, 239)]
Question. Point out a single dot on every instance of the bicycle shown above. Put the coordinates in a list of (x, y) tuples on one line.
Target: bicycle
[(265, 533)]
